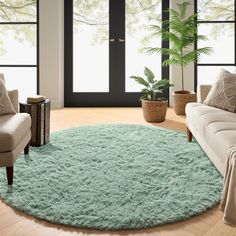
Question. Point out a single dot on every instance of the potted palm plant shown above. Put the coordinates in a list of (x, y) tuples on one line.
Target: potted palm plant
[(181, 31), (154, 108)]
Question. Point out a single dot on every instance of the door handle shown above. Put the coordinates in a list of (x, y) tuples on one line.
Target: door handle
[(121, 40), (112, 40)]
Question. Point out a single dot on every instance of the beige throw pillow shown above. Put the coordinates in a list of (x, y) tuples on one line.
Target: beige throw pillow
[(2, 77), (223, 92), (6, 106)]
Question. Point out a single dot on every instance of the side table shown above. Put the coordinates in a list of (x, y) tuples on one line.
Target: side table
[(40, 116)]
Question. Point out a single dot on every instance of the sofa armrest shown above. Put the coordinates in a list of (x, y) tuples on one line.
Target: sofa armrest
[(203, 91), (13, 94)]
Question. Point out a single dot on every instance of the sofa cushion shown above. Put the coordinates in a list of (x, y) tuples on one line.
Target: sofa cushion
[(223, 92), (6, 106), (216, 126), (12, 129)]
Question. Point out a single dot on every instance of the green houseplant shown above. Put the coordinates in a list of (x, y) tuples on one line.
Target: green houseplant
[(181, 31), (154, 108)]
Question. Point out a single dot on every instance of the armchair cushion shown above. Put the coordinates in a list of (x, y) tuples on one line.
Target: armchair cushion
[(6, 106), (12, 129)]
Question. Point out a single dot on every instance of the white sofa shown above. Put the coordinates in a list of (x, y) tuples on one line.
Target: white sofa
[(214, 129)]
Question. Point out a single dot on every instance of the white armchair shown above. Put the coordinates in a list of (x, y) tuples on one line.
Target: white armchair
[(15, 135)]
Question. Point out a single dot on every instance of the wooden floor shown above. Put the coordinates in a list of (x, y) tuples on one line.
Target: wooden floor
[(15, 223)]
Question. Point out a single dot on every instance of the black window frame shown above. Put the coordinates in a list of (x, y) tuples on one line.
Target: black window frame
[(36, 23), (196, 64)]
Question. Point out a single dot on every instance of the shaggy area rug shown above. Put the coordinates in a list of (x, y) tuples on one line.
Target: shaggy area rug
[(114, 177)]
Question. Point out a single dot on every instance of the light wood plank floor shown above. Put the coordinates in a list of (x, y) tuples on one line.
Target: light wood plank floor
[(15, 223)]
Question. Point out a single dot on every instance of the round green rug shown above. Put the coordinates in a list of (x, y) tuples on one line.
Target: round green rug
[(114, 177)]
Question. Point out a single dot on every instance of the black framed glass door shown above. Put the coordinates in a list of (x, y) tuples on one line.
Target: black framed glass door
[(103, 39)]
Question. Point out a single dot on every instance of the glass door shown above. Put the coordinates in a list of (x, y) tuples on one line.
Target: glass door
[(91, 46), (103, 48)]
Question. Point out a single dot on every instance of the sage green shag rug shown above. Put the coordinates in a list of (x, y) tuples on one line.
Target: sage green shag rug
[(114, 177)]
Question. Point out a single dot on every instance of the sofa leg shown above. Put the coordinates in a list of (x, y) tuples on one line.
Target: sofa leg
[(9, 175), (26, 150), (189, 135)]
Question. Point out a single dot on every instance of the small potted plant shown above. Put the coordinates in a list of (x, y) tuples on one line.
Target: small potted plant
[(154, 107), (181, 31)]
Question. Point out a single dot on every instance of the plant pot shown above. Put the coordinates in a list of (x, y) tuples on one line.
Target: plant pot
[(154, 111), (180, 99)]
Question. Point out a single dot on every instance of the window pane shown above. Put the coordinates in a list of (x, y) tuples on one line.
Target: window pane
[(21, 78), (18, 11), (91, 46), (216, 9), (208, 74), (221, 39), (18, 44), (140, 14)]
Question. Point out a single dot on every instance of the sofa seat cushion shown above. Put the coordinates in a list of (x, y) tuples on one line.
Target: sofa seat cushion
[(12, 129), (216, 126)]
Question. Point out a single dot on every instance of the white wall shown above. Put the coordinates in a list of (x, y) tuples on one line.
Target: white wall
[(52, 58), (51, 45), (175, 71)]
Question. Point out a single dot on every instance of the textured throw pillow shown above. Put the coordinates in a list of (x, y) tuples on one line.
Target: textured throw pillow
[(2, 77), (223, 92), (6, 106)]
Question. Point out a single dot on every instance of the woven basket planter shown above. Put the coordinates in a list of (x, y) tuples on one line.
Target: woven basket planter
[(154, 111), (180, 99)]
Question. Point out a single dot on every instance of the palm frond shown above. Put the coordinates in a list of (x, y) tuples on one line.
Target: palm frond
[(164, 51), (202, 37), (170, 61), (188, 41), (195, 54), (183, 7), (174, 38), (154, 28), (151, 50), (174, 15), (191, 19), (170, 36), (204, 50), (176, 27)]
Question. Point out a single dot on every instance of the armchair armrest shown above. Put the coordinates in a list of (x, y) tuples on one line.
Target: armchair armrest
[(203, 91), (13, 94)]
